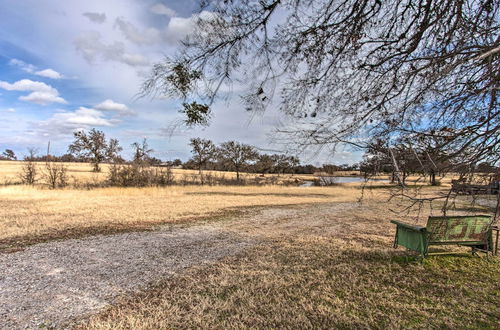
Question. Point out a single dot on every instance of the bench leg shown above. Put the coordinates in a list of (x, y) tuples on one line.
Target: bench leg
[(395, 245), (474, 251)]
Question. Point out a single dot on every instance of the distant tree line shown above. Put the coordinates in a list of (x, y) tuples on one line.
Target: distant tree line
[(423, 157), (95, 148), (239, 157)]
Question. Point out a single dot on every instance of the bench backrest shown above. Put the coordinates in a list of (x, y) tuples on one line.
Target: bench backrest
[(460, 229)]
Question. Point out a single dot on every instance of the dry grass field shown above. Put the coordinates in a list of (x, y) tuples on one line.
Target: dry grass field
[(311, 268), (81, 173), (31, 214), (320, 269), (34, 214)]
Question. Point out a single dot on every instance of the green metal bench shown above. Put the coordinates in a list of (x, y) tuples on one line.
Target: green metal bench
[(473, 231)]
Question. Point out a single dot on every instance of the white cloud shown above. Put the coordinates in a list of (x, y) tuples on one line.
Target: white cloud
[(132, 33), (96, 17), (161, 9), (110, 105), (84, 117), (41, 92), (134, 59), (90, 45), (49, 73), (30, 68), (43, 98), (179, 27), (12, 110), (64, 123), (27, 85)]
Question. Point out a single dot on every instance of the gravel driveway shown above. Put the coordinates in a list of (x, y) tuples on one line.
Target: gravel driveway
[(51, 284)]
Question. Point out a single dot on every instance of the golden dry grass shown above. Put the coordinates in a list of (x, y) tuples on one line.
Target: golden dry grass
[(317, 269), (81, 173), (339, 272), (31, 214)]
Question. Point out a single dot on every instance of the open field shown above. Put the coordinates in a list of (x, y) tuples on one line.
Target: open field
[(81, 173), (35, 214), (322, 265), (32, 214), (318, 267), (267, 256)]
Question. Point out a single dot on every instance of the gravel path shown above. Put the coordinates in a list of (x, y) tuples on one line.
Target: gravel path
[(50, 284)]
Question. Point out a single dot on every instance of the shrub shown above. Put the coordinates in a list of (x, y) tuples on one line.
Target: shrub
[(29, 170), (139, 176), (325, 181), (28, 173), (55, 175)]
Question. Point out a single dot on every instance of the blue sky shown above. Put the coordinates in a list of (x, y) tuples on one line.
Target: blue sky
[(70, 65)]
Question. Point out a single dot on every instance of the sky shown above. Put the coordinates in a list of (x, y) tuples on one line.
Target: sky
[(79, 64)]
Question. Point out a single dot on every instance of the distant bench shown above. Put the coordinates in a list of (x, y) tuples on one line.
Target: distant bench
[(475, 189), (472, 231)]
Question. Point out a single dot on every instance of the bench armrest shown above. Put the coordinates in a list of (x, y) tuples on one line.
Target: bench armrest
[(412, 237), (408, 226)]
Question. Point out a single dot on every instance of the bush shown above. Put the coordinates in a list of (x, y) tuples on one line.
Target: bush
[(139, 176), (28, 173), (325, 181), (55, 175)]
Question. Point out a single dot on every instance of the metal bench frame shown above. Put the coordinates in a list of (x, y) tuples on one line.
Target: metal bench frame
[(472, 231)]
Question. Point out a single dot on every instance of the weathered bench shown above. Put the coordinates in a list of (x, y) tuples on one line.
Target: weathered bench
[(462, 188), (473, 231)]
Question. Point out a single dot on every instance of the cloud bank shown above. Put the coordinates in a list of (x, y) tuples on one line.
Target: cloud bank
[(30, 68), (96, 17), (41, 93)]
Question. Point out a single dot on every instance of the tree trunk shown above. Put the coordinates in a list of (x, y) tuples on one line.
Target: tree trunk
[(96, 167), (433, 178), (201, 174)]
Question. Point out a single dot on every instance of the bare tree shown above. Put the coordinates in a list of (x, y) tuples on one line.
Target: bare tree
[(236, 155), (142, 152), (55, 175), (283, 163), (203, 151), (29, 171), (345, 67), (94, 146), (113, 151)]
